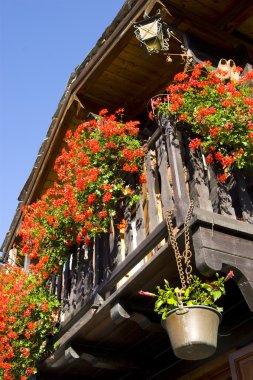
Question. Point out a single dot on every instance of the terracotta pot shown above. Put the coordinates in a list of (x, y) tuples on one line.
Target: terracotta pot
[(193, 331)]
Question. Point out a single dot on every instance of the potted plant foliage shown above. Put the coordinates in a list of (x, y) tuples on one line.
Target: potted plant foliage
[(215, 108), (92, 185), (190, 313)]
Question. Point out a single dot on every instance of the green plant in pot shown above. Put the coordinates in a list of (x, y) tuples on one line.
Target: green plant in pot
[(190, 314)]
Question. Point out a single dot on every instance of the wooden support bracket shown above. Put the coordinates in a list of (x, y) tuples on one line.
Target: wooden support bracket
[(119, 315), (219, 248), (98, 301), (98, 360)]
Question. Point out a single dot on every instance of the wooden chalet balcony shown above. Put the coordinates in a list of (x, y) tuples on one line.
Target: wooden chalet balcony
[(98, 285)]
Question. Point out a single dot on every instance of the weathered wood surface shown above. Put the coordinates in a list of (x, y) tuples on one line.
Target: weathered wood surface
[(217, 250), (151, 184), (140, 223), (199, 181), (128, 232), (244, 197), (225, 200), (162, 163), (112, 258), (181, 195)]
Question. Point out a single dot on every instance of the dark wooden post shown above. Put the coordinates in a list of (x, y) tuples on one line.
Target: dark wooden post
[(152, 205), (73, 279), (114, 241), (198, 181), (162, 162), (181, 196), (128, 232), (140, 224), (244, 197), (225, 200)]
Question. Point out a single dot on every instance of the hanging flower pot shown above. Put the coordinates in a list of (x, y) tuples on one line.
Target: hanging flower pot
[(193, 331), (190, 313)]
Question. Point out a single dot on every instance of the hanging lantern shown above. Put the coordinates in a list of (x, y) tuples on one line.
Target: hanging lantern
[(153, 34)]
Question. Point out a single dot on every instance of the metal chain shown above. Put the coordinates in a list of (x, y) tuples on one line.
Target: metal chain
[(187, 254), (184, 274), (169, 215)]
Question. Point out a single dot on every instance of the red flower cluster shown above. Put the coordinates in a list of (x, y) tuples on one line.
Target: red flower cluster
[(216, 109), (23, 322), (92, 184)]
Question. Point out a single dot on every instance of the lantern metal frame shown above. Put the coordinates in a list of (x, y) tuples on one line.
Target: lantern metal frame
[(153, 33)]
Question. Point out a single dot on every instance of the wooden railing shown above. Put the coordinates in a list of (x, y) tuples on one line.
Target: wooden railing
[(174, 176)]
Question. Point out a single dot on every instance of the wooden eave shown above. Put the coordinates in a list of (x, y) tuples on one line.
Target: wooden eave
[(118, 73)]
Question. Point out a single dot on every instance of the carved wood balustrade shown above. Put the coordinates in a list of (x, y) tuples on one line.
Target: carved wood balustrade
[(222, 230)]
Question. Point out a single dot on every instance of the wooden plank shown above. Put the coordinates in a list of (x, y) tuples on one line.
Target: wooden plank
[(102, 100), (73, 279), (215, 369), (98, 261), (84, 282), (26, 262), (151, 181), (181, 197), (95, 359), (105, 250), (241, 363), (122, 80), (131, 71), (80, 275), (66, 283), (141, 59), (213, 189), (217, 250), (108, 91), (162, 162), (146, 246), (119, 87), (225, 200), (140, 224), (52, 284), (205, 26), (115, 251), (231, 225), (244, 197), (128, 236), (198, 178), (235, 16), (88, 269), (59, 284), (151, 144)]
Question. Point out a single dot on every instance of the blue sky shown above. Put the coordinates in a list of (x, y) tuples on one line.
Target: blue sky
[(42, 41)]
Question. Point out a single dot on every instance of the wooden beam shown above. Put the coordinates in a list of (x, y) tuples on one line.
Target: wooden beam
[(112, 361), (223, 249), (145, 247), (120, 314), (181, 195), (203, 24), (235, 16), (241, 363)]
